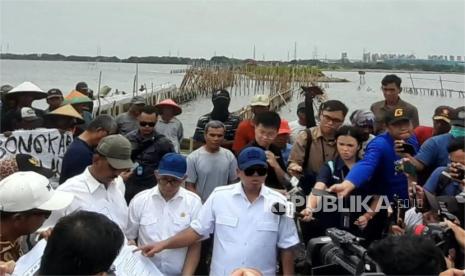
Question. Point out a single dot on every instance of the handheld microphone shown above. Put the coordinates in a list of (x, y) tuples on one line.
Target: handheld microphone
[(287, 210)]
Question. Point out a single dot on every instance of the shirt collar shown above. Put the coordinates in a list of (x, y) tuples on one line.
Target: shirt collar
[(239, 190), (156, 193), (92, 183)]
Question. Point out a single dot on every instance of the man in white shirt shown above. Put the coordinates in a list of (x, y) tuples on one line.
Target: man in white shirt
[(246, 232), (95, 189), (163, 211)]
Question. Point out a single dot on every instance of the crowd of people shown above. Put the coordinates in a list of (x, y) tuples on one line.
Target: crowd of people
[(124, 180)]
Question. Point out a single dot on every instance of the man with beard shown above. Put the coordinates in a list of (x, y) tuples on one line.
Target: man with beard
[(220, 112)]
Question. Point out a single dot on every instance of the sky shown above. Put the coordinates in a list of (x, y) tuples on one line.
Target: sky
[(322, 28)]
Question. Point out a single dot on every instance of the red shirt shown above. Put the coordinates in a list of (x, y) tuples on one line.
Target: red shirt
[(423, 133), (245, 134)]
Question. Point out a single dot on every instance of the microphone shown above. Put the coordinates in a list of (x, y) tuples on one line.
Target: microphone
[(287, 210)]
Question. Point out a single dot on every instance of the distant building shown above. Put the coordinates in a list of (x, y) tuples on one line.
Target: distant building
[(344, 57), (459, 58)]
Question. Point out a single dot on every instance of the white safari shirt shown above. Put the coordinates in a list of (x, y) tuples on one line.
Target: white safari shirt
[(246, 234), (91, 195), (153, 219)]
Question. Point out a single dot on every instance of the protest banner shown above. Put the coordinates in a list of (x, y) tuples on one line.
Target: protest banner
[(47, 145)]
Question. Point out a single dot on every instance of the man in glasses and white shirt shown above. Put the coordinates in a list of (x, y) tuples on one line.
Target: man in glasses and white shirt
[(148, 147), (246, 231)]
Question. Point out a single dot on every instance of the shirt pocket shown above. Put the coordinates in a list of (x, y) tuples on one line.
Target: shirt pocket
[(150, 227), (267, 232), (226, 228), (181, 223)]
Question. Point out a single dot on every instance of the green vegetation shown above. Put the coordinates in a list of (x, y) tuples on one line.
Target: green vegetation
[(304, 65)]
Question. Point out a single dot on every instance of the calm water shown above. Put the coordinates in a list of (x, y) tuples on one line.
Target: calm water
[(64, 75)]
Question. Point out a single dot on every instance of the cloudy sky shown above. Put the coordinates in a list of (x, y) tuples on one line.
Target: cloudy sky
[(231, 28)]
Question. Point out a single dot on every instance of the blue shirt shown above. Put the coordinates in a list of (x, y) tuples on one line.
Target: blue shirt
[(377, 168), (285, 153), (433, 153), (77, 157), (451, 189)]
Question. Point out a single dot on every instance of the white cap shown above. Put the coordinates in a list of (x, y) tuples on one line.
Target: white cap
[(28, 113), (23, 191), (260, 100)]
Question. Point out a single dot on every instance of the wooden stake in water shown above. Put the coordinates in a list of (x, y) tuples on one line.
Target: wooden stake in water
[(98, 93)]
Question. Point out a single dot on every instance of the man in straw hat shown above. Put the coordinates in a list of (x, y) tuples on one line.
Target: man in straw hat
[(24, 94), (168, 124), (64, 118)]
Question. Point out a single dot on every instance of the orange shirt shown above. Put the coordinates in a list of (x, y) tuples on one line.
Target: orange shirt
[(245, 134)]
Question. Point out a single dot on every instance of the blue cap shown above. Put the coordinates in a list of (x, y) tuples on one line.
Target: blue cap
[(251, 156), (173, 164)]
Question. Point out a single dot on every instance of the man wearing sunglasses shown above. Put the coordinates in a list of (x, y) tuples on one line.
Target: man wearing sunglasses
[(148, 147), (246, 232)]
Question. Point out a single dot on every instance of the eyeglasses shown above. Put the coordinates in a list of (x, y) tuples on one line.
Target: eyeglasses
[(332, 119), (261, 171), (172, 181), (144, 124)]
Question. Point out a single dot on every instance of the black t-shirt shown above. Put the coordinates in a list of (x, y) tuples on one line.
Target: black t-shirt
[(271, 178)]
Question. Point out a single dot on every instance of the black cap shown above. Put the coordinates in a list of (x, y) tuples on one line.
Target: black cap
[(82, 87), (458, 117), (27, 162), (54, 92), (300, 106), (220, 94), (396, 115)]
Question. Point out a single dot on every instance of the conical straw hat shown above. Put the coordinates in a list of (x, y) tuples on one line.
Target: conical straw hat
[(28, 87), (69, 111)]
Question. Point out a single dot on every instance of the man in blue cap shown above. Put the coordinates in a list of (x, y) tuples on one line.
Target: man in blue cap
[(163, 211), (240, 217)]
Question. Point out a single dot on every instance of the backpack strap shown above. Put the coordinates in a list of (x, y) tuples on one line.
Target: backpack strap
[(307, 148)]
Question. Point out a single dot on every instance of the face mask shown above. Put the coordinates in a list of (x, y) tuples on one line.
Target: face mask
[(457, 131)]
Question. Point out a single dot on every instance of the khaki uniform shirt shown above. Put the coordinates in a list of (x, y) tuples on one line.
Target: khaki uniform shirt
[(379, 109), (321, 151)]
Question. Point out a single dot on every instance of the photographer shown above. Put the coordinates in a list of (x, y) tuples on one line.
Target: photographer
[(449, 180), (407, 255)]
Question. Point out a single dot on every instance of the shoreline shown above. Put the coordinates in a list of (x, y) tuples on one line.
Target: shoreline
[(322, 69)]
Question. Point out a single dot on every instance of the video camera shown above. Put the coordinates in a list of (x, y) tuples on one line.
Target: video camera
[(446, 207), (339, 253)]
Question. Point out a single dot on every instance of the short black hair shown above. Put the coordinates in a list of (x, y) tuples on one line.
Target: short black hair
[(391, 79), (333, 105), (348, 130), (456, 144), (268, 119), (407, 255), (149, 109), (82, 243)]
